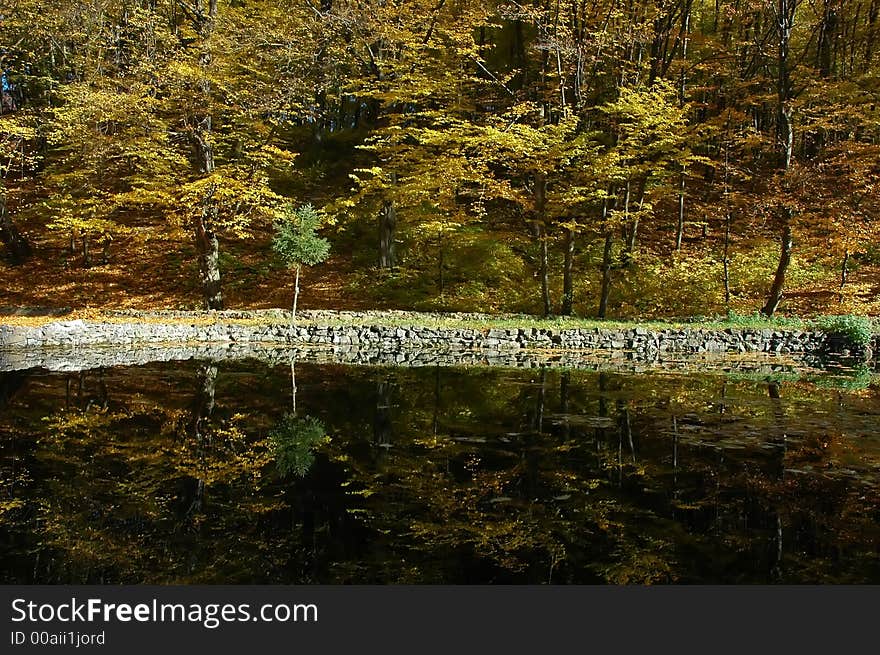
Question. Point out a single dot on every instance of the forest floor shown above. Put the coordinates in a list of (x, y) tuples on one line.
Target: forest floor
[(162, 276)]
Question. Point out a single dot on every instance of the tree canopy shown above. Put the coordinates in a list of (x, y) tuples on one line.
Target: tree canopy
[(524, 156)]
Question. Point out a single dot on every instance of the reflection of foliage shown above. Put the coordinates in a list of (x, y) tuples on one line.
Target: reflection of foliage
[(134, 494), (489, 476), (850, 379), (293, 441)]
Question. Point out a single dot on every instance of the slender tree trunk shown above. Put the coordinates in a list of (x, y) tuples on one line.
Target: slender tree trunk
[(727, 260), (679, 230), (827, 40), (605, 289), (682, 87), (776, 288), (440, 280), (785, 136), (844, 275), (387, 226), (606, 276), (540, 228), (87, 253), (544, 272), (871, 35), (567, 274), (633, 222), (628, 236), (727, 217), (18, 247), (295, 299)]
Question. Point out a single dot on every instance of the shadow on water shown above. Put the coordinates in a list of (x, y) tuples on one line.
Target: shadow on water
[(248, 472)]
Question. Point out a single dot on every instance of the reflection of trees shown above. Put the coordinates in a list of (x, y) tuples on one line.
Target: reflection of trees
[(123, 487), (383, 433), (294, 440), (495, 479), (199, 428), (525, 501), (515, 496), (10, 384)]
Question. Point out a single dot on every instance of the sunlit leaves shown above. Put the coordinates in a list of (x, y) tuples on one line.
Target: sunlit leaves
[(296, 240)]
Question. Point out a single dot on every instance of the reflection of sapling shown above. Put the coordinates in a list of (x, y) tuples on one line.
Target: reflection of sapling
[(293, 441), (297, 243)]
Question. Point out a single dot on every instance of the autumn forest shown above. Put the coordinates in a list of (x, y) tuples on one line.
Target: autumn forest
[(602, 158)]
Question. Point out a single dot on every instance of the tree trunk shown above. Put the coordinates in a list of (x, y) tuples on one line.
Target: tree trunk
[(679, 230), (682, 86), (540, 208), (18, 247), (606, 276), (567, 276), (207, 245), (295, 299), (844, 275), (208, 249), (727, 261), (628, 236), (544, 272), (785, 136), (87, 253), (871, 31), (387, 225), (776, 288), (440, 281), (827, 40), (631, 224)]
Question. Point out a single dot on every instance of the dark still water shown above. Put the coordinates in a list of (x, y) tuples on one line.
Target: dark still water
[(203, 473)]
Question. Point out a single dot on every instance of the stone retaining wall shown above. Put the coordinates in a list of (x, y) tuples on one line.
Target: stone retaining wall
[(647, 343)]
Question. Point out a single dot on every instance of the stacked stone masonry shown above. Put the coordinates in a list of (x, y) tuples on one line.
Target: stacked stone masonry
[(643, 341)]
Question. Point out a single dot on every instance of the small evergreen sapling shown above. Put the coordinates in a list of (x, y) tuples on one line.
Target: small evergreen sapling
[(296, 242)]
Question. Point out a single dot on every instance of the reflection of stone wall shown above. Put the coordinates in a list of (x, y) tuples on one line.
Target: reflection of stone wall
[(68, 358), (80, 344)]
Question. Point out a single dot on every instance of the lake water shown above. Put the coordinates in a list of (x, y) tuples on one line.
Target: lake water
[(199, 472)]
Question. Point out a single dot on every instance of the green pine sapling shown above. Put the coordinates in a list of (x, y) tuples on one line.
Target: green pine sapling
[(296, 242)]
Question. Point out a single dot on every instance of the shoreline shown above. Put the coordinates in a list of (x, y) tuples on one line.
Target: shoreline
[(392, 332)]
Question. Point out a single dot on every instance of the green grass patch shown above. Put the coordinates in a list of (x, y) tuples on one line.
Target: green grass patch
[(858, 330)]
